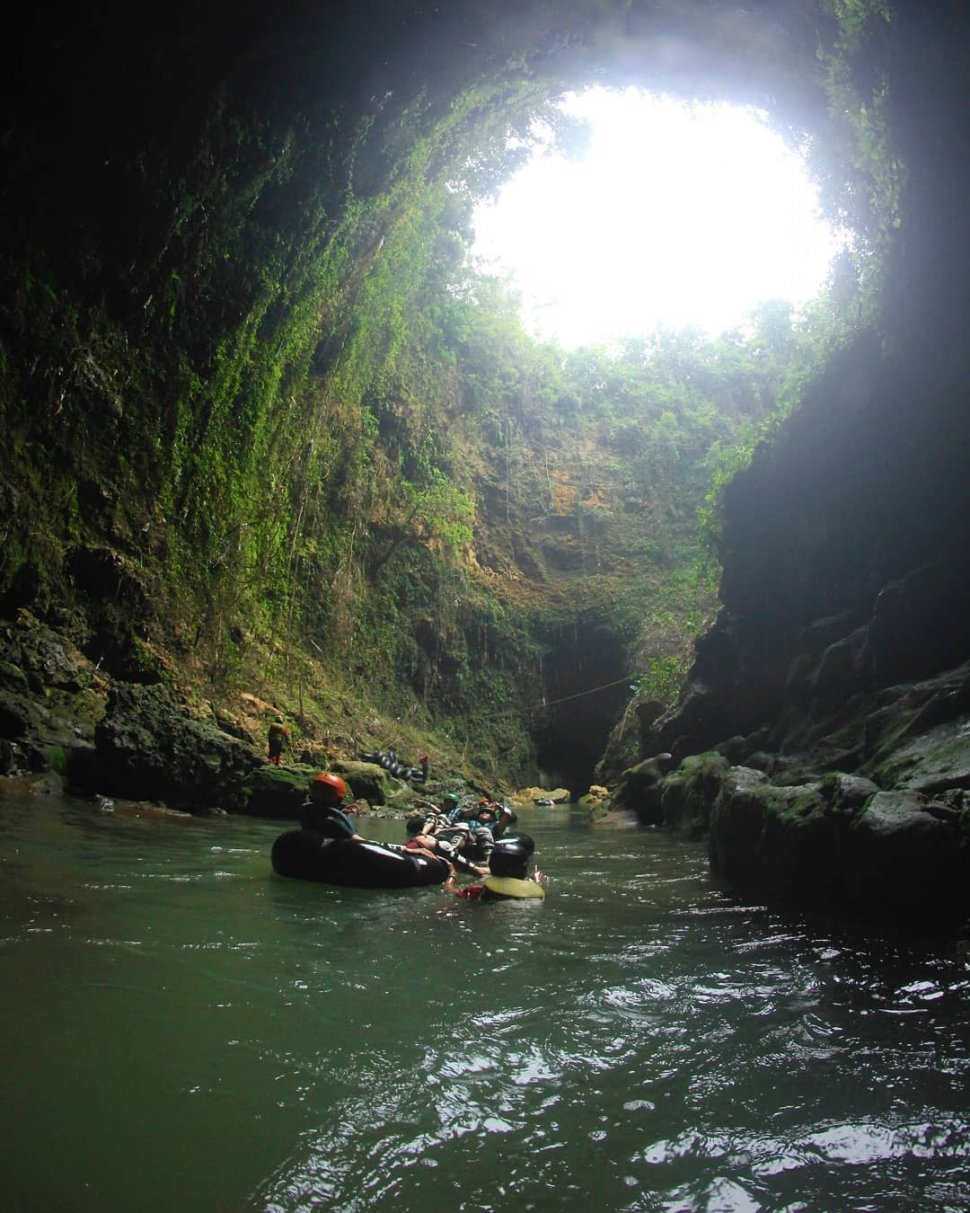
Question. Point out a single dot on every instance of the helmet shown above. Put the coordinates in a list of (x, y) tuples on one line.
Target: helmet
[(452, 798), (509, 858), (327, 789), (279, 719)]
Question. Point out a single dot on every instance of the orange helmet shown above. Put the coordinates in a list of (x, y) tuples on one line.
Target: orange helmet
[(327, 789)]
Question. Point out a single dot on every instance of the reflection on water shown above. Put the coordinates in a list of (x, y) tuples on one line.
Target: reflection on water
[(183, 1030)]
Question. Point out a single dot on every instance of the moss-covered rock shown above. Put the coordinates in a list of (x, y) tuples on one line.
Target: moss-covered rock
[(931, 762), (907, 859), (147, 747), (843, 846), (688, 795), (367, 781), (736, 823), (639, 789), (276, 792)]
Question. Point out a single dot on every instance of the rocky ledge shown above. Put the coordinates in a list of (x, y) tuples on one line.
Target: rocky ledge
[(887, 841), (142, 742)]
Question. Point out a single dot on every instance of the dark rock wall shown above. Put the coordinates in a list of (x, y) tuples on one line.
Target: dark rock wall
[(845, 544), (837, 675)]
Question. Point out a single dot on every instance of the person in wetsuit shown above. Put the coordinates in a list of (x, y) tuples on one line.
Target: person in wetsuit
[(321, 810), (508, 877)]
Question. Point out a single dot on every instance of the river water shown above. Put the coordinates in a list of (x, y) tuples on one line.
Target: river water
[(183, 1030)]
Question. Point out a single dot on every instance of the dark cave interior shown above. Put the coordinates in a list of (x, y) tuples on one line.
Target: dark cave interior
[(586, 684)]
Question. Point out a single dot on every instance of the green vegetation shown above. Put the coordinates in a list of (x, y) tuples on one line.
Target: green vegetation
[(662, 680)]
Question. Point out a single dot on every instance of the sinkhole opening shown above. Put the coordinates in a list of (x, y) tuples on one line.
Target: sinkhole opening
[(646, 212)]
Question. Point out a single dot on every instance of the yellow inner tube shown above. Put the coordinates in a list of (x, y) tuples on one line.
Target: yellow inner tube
[(511, 886)]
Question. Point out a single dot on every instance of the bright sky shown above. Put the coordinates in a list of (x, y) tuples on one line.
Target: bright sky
[(679, 214)]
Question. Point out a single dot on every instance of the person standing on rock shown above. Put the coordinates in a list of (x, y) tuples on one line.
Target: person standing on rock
[(278, 735)]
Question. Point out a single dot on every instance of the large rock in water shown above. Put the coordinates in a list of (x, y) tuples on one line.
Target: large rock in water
[(148, 748), (639, 789), (841, 844), (279, 792)]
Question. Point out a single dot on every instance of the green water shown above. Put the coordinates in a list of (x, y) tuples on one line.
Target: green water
[(184, 1031)]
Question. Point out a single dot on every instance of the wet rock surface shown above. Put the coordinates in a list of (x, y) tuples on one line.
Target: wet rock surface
[(888, 842), (147, 747), (50, 696)]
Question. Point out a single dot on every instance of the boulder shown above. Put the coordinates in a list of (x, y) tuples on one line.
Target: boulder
[(147, 747), (906, 860), (842, 845), (542, 796), (772, 840), (276, 792), (687, 797), (366, 780), (638, 790)]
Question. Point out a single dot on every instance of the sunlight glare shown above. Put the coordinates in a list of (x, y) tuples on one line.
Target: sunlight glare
[(679, 215)]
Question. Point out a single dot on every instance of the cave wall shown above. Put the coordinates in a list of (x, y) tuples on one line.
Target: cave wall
[(845, 544), (190, 189), (215, 248)]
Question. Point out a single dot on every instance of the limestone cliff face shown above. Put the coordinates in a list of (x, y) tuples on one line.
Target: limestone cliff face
[(835, 684), (845, 565), (845, 543)]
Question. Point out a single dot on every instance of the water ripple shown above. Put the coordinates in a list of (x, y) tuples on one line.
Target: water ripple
[(639, 1041)]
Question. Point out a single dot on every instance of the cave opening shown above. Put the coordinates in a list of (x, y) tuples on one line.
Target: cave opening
[(651, 212), (585, 686)]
